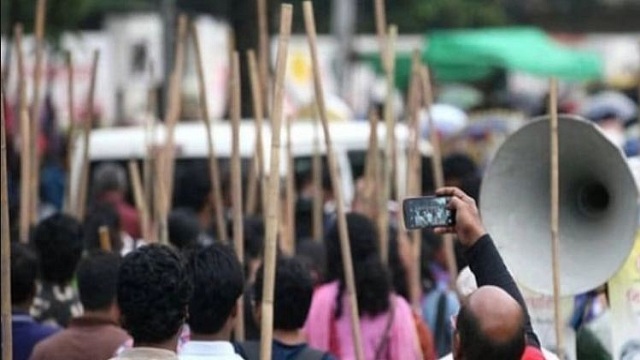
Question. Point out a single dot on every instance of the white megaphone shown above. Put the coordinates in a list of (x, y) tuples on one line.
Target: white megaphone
[(599, 205)]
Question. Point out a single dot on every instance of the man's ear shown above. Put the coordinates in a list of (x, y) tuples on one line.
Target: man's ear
[(114, 312), (257, 313), (457, 348), (235, 309)]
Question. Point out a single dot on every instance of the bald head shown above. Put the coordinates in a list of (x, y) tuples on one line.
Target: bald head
[(490, 326)]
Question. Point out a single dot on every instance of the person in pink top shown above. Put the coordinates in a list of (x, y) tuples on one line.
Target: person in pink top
[(386, 321)]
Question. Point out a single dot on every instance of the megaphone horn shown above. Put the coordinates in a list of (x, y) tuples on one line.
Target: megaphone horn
[(598, 205)]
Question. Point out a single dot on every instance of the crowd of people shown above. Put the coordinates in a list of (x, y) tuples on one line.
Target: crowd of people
[(72, 299)]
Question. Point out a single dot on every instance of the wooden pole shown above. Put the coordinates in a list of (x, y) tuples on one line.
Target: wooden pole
[(290, 202), (25, 141), (216, 199), (88, 123), (138, 198), (105, 238), (71, 134), (316, 178), (414, 175), (388, 164), (173, 114), (345, 246), (555, 214), (263, 50), (7, 342), (270, 248), (438, 177), (381, 23), (41, 9), (256, 174), (236, 178), (371, 166), (149, 160)]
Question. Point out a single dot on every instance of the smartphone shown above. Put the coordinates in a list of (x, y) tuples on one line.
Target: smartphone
[(427, 212)]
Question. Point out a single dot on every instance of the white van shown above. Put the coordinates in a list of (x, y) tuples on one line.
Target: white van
[(350, 141)]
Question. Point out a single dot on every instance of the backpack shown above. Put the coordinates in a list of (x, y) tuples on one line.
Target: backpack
[(250, 350)]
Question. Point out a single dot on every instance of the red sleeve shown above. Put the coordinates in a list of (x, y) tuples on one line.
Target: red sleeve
[(532, 353)]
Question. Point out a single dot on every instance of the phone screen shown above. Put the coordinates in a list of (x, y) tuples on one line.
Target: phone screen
[(427, 212)]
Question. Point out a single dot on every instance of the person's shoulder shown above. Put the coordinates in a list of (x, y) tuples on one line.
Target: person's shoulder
[(44, 331), (328, 290)]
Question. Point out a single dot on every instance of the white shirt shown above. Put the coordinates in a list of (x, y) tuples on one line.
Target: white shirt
[(215, 350)]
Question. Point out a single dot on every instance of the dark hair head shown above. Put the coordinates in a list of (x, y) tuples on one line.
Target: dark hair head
[(458, 166), (24, 271), (292, 296), (313, 254), (371, 276), (184, 228), (102, 214), (477, 346), (98, 279), (253, 229), (58, 242), (109, 177), (218, 283), (153, 293), (193, 186), (363, 238)]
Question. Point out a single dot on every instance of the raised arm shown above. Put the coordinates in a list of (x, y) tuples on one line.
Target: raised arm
[(484, 259)]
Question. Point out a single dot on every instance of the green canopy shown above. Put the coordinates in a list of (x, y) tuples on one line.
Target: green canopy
[(473, 54), (468, 55)]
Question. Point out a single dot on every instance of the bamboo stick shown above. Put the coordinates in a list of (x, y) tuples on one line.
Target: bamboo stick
[(371, 166), (316, 178), (266, 324), (388, 164), (71, 134), (256, 174), (414, 175), (263, 51), (214, 173), (88, 123), (290, 196), (7, 342), (555, 212), (160, 203), (381, 24), (173, 114), (438, 176), (345, 246), (41, 8), (150, 162), (138, 198), (317, 215), (236, 178), (105, 238), (25, 141)]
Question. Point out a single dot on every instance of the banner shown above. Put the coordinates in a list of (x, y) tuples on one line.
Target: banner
[(542, 316), (624, 294)]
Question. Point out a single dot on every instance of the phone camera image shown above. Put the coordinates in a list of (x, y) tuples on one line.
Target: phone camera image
[(427, 212)]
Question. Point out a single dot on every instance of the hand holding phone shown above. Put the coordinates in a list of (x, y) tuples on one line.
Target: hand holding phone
[(468, 224)]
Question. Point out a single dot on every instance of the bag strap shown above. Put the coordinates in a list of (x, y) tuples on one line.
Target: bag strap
[(441, 333), (384, 342)]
